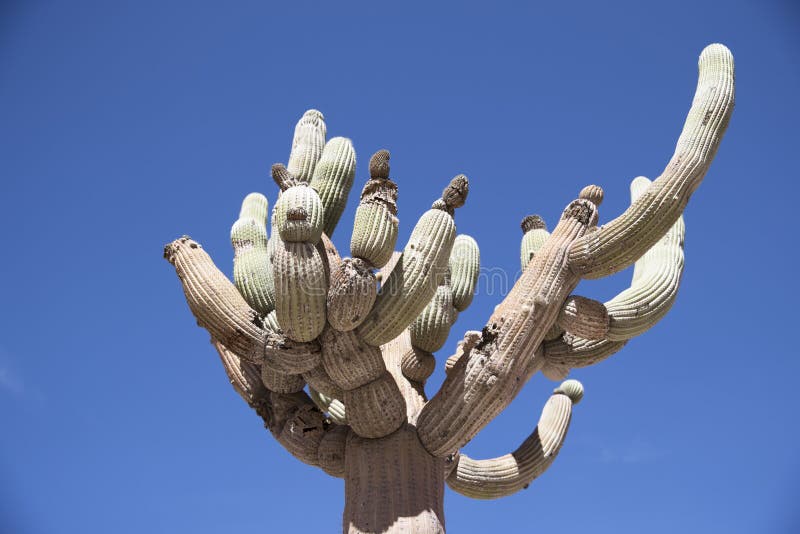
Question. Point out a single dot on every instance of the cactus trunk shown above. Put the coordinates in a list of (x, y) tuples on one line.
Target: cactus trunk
[(392, 485)]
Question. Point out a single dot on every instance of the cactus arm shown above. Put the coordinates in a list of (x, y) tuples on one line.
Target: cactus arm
[(506, 475), (252, 274), (307, 145), (333, 178), (220, 309), (465, 267), (623, 240), (333, 407), (534, 235), (292, 418), (413, 281), (479, 387)]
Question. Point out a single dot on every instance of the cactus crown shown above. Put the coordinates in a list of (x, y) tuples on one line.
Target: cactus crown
[(379, 164)]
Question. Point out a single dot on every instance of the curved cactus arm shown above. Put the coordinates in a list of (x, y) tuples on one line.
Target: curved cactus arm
[(413, 281), (653, 289), (333, 407), (307, 145), (506, 475), (220, 309), (465, 268), (623, 240), (292, 418), (480, 386)]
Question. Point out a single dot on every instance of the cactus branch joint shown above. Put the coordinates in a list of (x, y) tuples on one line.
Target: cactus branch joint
[(333, 353)]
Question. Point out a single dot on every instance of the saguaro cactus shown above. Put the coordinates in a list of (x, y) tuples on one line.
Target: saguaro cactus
[(300, 316)]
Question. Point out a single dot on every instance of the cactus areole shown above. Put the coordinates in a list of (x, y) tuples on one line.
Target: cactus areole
[(333, 353)]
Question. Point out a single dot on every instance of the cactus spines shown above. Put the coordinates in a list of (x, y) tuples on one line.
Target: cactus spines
[(376, 225), (398, 445), (465, 266), (252, 274), (300, 289), (351, 294), (299, 215), (333, 178), (413, 280), (307, 145), (534, 235)]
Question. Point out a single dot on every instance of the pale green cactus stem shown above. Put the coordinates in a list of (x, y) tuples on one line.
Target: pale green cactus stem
[(333, 407), (465, 267), (307, 145), (298, 267), (333, 178), (252, 274), (430, 329), (414, 279), (298, 212), (505, 475), (534, 235), (376, 225)]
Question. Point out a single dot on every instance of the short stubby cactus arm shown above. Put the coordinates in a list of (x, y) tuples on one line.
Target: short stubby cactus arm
[(481, 385), (622, 241), (506, 475), (220, 309), (291, 418)]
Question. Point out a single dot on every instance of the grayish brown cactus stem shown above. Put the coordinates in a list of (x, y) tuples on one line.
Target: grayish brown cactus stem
[(293, 419), (478, 388), (505, 475), (220, 309), (622, 241)]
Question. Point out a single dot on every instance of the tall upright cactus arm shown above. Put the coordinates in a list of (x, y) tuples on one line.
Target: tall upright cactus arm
[(333, 178), (293, 419), (220, 309), (622, 241), (508, 474)]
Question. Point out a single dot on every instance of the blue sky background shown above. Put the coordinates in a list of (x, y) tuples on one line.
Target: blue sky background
[(126, 124)]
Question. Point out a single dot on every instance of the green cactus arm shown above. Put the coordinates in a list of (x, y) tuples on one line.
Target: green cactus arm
[(299, 215), (480, 386), (430, 329), (414, 279), (307, 145), (623, 240), (300, 289), (465, 267), (220, 309), (534, 235), (292, 418), (376, 225), (252, 274), (655, 283), (333, 178), (333, 407), (506, 475)]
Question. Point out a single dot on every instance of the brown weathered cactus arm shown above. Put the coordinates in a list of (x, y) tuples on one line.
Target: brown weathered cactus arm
[(621, 242), (505, 475)]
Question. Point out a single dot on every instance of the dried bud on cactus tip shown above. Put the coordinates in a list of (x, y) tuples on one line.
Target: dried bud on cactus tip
[(592, 193), (532, 222), (572, 389), (455, 194), (379, 164), (282, 176)]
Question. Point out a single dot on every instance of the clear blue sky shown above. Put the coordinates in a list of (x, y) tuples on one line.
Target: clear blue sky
[(126, 124)]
